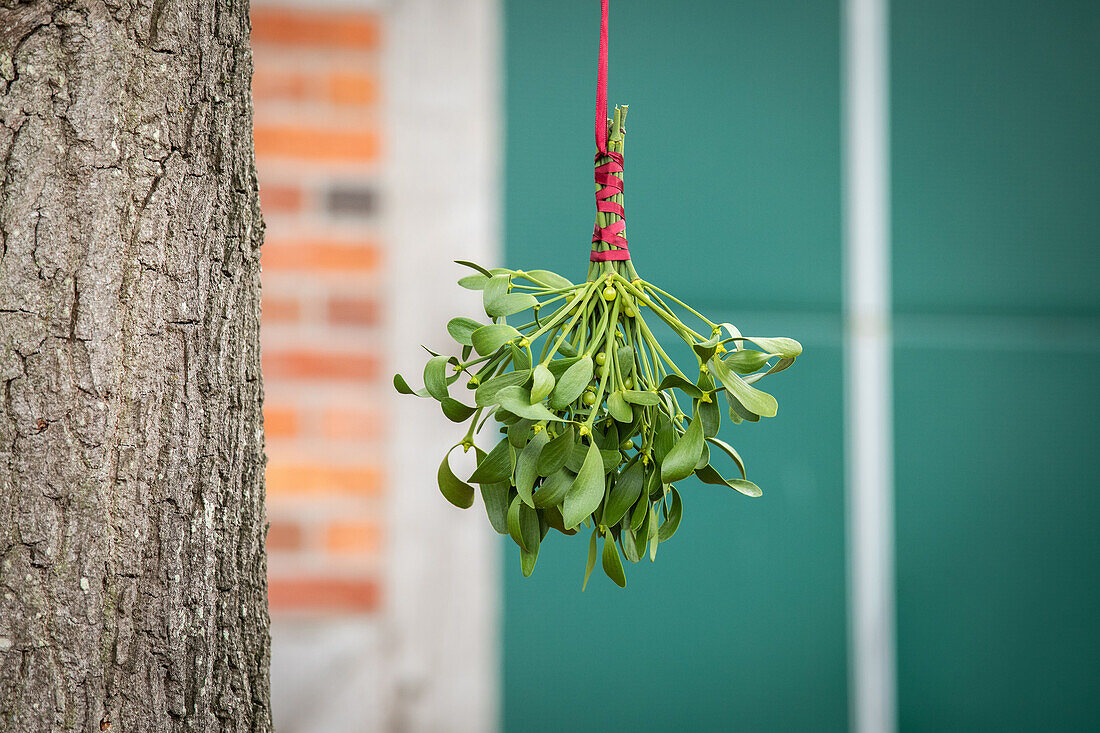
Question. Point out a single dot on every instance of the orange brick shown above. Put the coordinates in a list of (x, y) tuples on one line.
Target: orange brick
[(321, 255), (350, 424), (284, 537), (348, 595), (306, 364), (318, 144), (352, 538), (349, 88), (285, 480), (353, 311), (275, 309), (280, 422), (330, 29), (282, 199), (271, 84)]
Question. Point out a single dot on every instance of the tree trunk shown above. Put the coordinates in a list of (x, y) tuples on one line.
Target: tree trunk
[(132, 566)]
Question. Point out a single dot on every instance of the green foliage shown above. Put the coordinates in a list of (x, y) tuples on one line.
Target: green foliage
[(587, 403), (587, 439)]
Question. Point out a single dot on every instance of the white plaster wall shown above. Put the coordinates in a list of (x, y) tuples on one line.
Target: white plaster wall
[(430, 660)]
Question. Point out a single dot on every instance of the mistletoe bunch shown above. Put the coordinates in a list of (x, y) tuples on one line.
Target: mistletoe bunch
[(596, 423)]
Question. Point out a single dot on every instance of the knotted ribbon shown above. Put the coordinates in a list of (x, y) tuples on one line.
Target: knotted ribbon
[(610, 184)]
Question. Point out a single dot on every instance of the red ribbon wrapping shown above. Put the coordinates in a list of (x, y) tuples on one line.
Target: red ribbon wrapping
[(610, 184)]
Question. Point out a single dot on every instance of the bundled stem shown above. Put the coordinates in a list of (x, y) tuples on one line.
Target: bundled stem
[(616, 140)]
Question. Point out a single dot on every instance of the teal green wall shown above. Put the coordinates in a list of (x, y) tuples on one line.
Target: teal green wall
[(733, 200), (996, 203)]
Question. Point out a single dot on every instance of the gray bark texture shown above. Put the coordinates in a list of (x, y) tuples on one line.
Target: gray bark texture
[(132, 566)]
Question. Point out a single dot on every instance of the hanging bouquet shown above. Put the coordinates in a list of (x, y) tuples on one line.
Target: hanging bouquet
[(595, 424)]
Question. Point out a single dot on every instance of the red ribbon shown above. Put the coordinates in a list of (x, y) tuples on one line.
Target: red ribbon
[(610, 184)]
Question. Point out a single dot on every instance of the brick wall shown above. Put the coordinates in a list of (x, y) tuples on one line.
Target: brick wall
[(383, 602), (318, 148)]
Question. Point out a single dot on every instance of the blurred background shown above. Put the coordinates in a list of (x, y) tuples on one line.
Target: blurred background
[(393, 136)]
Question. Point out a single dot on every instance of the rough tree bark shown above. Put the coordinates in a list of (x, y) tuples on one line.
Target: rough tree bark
[(132, 566)]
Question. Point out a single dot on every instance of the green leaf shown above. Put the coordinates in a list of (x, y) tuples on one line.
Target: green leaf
[(653, 488), (486, 394), (738, 411), (552, 280), (523, 525), (473, 282), (572, 383), (710, 414), (499, 302), (488, 339), (704, 456), (672, 519), (705, 349), (587, 491), (591, 559), (557, 367), (778, 367), (681, 460), (734, 333), (665, 438), (654, 533), (514, 530), (752, 399), (554, 488), (556, 453), (496, 466), (637, 397), (527, 464), (784, 347), (475, 266), (641, 531), (708, 475), (527, 561), (606, 435), (504, 417), (746, 361), (618, 408), (748, 488), (435, 377), (705, 382), (671, 381), (731, 452), (495, 497), (521, 360), (518, 433), (612, 565), (552, 516), (567, 349), (454, 489), (530, 527), (624, 355), (629, 543), (403, 387), (456, 411), (517, 400), (640, 511), (462, 328), (511, 303), (625, 491), (543, 383), (579, 453)]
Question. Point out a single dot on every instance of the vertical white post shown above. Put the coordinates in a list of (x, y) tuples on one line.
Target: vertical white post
[(444, 146), (869, 389)]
